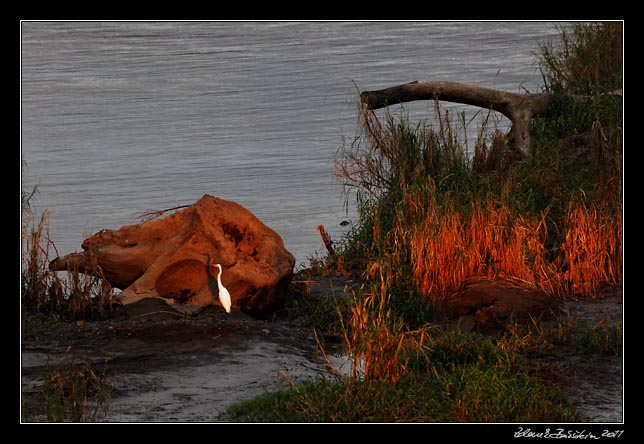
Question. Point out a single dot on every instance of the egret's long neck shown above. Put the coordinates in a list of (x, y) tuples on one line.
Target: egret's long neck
[(219, 275)]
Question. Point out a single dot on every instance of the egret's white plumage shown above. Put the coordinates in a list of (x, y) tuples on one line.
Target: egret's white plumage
[(224, 295)]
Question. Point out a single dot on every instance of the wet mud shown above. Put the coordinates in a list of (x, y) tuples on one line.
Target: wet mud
[(166, 366)]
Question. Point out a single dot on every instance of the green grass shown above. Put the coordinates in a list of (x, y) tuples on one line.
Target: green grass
[(603, 340), (33, 324), (603, 337), (587, 59), (72, 392), (328, 316), (462, 379)]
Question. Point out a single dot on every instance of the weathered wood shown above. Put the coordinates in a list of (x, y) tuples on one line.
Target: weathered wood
[(519, 108), (326, 240)]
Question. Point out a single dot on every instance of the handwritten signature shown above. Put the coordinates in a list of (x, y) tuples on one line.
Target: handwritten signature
[(567, 434)]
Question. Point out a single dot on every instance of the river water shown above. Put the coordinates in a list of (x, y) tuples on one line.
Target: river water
[(122, 117)]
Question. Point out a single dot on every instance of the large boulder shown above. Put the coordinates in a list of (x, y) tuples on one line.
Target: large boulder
[(173, 258)]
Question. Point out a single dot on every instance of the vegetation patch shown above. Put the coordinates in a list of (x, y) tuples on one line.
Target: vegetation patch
[(462, 379), (72, 392)]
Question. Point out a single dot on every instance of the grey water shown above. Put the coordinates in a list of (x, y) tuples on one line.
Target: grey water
[(121, 117)]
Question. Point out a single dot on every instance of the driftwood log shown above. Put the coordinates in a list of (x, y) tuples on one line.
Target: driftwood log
[(519, 108)]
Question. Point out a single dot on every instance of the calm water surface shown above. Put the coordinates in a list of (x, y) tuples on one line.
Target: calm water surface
[(123, 117)]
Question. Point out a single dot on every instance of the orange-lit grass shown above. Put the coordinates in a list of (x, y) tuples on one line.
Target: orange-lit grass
[(380, 345), (450, 249), (592, 248)]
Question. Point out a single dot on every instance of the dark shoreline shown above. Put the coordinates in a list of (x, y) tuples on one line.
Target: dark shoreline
[(153, 341)]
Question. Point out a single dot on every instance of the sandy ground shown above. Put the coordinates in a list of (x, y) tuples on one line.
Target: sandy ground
[(169, 367)]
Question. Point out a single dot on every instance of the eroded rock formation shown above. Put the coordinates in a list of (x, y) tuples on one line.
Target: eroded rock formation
[(173, 258)]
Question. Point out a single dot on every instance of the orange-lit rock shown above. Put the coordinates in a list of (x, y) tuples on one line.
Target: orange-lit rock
[(174, 257), (492, 303)]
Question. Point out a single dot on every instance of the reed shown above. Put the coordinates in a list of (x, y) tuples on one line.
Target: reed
[(588, 58), (71, 296), (451, 248), (378, 342), (71, 392), (38, 284), (592, 248)]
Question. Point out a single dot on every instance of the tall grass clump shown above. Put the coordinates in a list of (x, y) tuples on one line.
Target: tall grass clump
[(46, 293), (71, 392), (489, 241), (592, 248), (581, 144), (587, 59), (581, 138), (435, 219), (380, 345), (392, 166)]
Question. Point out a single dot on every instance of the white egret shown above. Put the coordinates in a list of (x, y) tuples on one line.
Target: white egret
[(224, 295)]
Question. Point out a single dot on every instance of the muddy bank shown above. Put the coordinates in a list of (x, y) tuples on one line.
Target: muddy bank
[(166, 366), (592, 382), (198, 385)]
